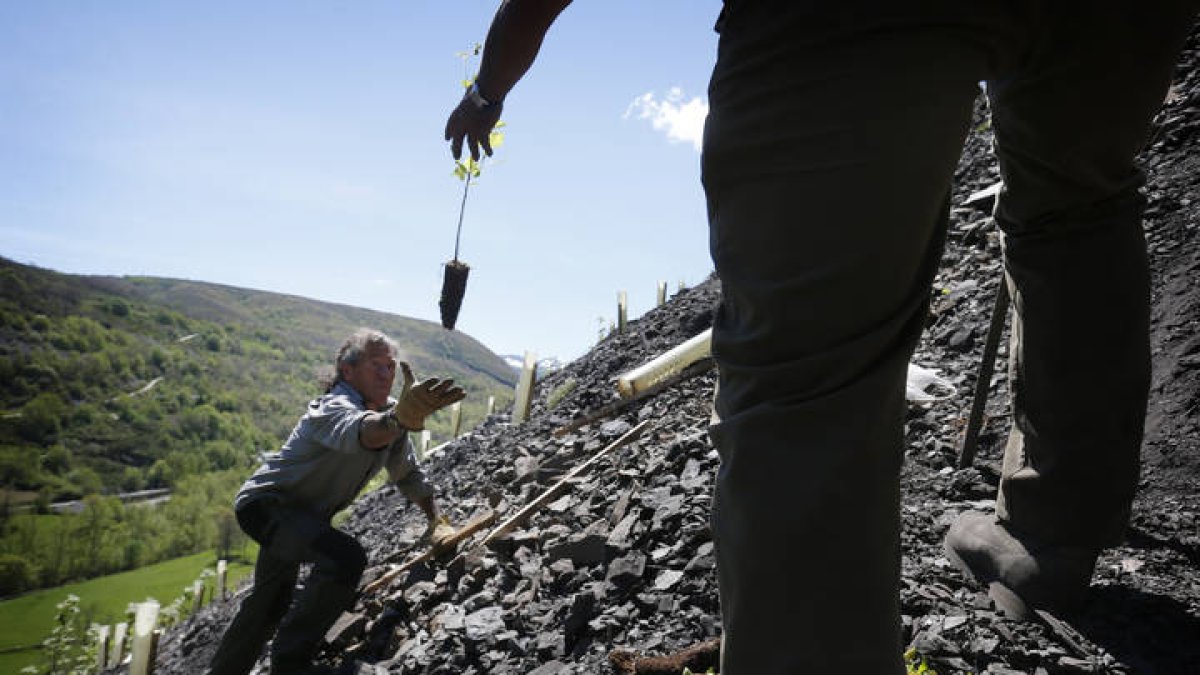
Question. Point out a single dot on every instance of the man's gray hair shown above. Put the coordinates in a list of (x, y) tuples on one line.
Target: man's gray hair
[(353, 349)]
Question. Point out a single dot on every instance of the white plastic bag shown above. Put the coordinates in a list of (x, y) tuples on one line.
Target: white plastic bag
[(920, 379)]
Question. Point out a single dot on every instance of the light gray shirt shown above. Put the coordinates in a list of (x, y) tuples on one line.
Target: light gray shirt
[(322, 466)]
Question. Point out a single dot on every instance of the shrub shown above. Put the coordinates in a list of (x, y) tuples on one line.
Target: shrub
[(16, 574)]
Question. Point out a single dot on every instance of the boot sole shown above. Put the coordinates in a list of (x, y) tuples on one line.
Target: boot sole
[(1009, 602)]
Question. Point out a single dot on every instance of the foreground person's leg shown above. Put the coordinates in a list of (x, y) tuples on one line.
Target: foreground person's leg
[(827, 169), (1068, 125)]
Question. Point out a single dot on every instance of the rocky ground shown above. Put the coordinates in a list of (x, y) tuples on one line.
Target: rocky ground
[(620, 564)]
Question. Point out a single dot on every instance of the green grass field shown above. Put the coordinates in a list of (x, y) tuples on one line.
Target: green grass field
[(25, 621)]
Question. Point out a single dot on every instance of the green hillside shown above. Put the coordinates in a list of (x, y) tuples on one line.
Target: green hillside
[(116, 384)]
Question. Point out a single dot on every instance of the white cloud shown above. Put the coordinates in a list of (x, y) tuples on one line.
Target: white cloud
[(682, 121)]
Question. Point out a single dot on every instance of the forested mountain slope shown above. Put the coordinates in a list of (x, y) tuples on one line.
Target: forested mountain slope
[(122, 383)]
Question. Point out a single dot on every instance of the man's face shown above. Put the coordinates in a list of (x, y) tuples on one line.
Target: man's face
[(373, 375)]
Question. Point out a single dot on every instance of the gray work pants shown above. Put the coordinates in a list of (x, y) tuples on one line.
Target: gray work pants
[(832, 139), (288, 538)]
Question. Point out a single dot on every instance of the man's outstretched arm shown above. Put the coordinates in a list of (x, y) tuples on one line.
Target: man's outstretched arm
[(512, 45)]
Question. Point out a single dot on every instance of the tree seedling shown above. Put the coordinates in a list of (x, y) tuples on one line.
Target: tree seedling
[(454, 281)]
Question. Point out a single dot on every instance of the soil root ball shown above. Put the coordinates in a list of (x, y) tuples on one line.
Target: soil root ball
[(454, 287)]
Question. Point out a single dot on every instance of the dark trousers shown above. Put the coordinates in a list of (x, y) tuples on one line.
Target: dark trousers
[(832, 138), (288, 538)]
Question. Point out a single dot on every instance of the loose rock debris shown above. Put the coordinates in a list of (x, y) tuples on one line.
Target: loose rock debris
[(618, 570)]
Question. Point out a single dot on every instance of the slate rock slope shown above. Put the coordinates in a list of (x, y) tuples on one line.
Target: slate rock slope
[(623, 558)]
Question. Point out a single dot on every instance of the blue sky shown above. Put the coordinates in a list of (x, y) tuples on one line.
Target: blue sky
[(296, 146)]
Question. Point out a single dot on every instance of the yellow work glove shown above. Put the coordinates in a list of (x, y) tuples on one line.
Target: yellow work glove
[(422, 399), (441, 531)]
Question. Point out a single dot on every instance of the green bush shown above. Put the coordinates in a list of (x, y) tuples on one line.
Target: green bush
[(40, 418), (57, 460), (16, 574), (19, 467)]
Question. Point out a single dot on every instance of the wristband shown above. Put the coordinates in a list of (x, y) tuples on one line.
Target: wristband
[(477, 98)]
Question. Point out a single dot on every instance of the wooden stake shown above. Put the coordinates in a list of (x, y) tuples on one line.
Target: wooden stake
[(423, 445), (102, 647), (222, 579), (118, 644), (983, 385), (561, 486), (155, 638), (197, 595), (142, 651), (472, 526), (524, 396), (486, 518), (456, 419)]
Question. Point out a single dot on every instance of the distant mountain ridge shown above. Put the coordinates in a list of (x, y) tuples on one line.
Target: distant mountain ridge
[(431, 349), (545, 366)]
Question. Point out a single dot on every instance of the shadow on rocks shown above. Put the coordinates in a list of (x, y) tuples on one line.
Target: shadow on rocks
[(1153, 634)]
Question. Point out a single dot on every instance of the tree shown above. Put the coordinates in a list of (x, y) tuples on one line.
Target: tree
[(132, 479), (159, 359), (229, 533), (86, 480), (59, 565), (19, 467), (40, 323), (42, 503), (97, 523), (161, 474), (40, 418), (200, 423), (57, 460), (221, 455), (16, 574)]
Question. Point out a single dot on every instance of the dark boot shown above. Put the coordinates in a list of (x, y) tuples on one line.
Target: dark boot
[(303, 629), (1021, 574)]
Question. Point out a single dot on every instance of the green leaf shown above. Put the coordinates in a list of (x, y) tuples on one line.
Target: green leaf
[(915, 664)]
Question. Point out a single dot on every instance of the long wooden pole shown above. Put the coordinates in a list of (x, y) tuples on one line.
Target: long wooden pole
[(966, 455), (511, 523), (561, 486), (472, 526)]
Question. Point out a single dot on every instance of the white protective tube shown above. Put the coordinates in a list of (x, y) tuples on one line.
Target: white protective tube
[(665, 365), (144, 620)]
